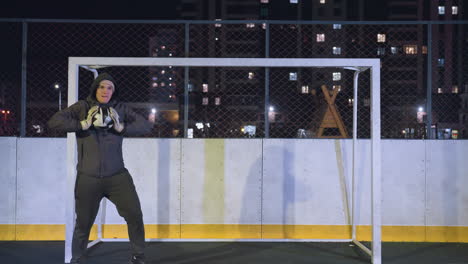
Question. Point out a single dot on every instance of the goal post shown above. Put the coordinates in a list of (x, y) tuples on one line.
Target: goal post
[(356, 65)]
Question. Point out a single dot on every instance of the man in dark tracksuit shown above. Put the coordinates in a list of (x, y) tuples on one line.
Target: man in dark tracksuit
[(100, 169)]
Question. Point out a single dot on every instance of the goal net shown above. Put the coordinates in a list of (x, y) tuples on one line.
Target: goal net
[(245, 188)]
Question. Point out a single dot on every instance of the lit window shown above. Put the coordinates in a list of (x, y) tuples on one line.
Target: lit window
[(250, 25), (455, 89), (454, 10), (323, 1), (380, 37), (293, 76), (205, 87), (293, 1), (320, 37), (439, 90), (441, 62), (380, 51), (205, 101), (337, 87), (264, 1), (251, 75), (218, 25), (411, 49), (163, 84), (217, 100), (441, 10), (336, 26), (424, 50), (337, 50), (336, 76), (305, 89), (394, 50)]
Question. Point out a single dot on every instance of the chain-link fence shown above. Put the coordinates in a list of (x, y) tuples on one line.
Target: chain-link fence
[(10, 79), (424, 77)]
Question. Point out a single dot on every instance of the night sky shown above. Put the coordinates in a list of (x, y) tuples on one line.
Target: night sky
[(137, 9), (74, 9)]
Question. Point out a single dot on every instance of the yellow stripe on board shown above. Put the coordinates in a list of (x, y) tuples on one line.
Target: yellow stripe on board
[(213, 191), (221, 231), (192, 231)]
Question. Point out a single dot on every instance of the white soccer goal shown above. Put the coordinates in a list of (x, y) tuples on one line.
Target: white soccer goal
[(356, 65)]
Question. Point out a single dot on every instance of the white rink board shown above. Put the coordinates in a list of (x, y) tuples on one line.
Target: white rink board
[(302, 181), (41, 181), (424, 182), (243, 181), (447, 183), (192, 179), (240, 186), (403, 178), (155, 169), (7, 180)]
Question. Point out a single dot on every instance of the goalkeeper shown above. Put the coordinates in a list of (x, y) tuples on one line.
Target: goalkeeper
[(100, 122)]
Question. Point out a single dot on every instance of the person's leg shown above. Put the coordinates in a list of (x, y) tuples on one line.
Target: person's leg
[(120, 190), (88, 195)]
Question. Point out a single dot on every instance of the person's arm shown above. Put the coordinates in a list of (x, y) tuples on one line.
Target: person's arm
[(133, 124), (68, 119)]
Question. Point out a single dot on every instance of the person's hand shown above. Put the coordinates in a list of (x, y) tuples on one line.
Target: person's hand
[(118, 126), (86, 124)]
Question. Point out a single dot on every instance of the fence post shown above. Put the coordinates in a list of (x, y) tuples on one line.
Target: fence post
[(267, 80), (23, 79), (429, 82), (186, 81)]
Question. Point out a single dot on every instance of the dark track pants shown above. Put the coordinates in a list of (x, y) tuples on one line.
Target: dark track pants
[(120, 190)]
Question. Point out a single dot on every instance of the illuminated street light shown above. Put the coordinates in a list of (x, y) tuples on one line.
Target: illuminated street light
[(5, 115), (58, 88)]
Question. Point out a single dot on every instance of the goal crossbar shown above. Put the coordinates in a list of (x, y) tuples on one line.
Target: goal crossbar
[(357, 65)]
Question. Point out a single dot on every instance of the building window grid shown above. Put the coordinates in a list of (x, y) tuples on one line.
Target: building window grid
[(336, 76), (441, 10), (337, 50), (320, 37), (440, 62), (381, 37), (381, 51), (410, 49)]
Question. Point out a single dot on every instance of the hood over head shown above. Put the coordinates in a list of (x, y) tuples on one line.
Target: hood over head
[(95, 85)]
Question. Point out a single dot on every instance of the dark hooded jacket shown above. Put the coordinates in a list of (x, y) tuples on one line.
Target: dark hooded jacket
[(99, 150)]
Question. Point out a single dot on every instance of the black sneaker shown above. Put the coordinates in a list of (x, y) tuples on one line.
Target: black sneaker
[(137, 259)]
